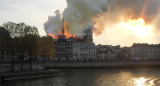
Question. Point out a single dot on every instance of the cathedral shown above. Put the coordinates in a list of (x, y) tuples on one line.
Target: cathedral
[(65, 47)]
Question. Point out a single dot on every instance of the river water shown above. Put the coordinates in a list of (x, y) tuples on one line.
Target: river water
[(96, 77)]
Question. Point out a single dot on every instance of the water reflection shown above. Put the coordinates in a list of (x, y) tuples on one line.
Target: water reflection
[(140, 81), (128, 78), (144, 81), (59, 80), (96, 77)]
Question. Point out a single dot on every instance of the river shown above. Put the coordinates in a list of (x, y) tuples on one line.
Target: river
[(146, 76)]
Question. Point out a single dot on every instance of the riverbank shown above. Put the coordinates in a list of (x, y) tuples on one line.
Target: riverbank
[(39, 66), (7, 67), (83, 64), (23, 75)]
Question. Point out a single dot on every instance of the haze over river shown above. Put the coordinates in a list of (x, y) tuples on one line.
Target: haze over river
[(141, 76)]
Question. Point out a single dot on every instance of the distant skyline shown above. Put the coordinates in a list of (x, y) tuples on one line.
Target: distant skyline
[(31, 12)]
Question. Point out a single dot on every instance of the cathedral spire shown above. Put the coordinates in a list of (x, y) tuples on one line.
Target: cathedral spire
[(63, 26)]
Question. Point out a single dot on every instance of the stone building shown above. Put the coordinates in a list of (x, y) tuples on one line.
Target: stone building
[(145, 51), (74, 48), (88, 37), (124, 54), (116, 49), (63, 48), (140, 51), (84, 51), (104, 52), (154, 51)]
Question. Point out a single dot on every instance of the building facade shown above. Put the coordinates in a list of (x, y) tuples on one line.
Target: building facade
[(140, 51), (105, 52), (154, 51), (63, 49), (145, 51), (84, 51)]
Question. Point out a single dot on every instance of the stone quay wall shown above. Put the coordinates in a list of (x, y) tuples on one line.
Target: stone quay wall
[(78, 64), (17, 66)]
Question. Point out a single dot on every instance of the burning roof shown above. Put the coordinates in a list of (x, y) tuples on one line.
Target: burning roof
[(64, 34)]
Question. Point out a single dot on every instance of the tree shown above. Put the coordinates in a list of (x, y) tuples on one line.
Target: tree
[(47, 47), (32, 45), (50, 47), (4, 41), (20, 30), (36, 45)]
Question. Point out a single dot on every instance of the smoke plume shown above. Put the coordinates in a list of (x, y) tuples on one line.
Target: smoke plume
[(53, 25), (105, 15), (123, 10), (78, 16)]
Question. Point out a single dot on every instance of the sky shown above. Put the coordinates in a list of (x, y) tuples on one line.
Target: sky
[(114, 22), (31, 12)]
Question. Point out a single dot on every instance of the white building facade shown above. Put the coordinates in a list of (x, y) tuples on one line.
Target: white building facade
[(145, 51), (154, 51), (84, 51)]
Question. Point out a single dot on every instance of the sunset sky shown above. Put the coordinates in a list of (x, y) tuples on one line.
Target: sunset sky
[(115, 22)]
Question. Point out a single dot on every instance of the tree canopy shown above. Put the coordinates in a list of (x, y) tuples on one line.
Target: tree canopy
[(20, 29), (25, 41)]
